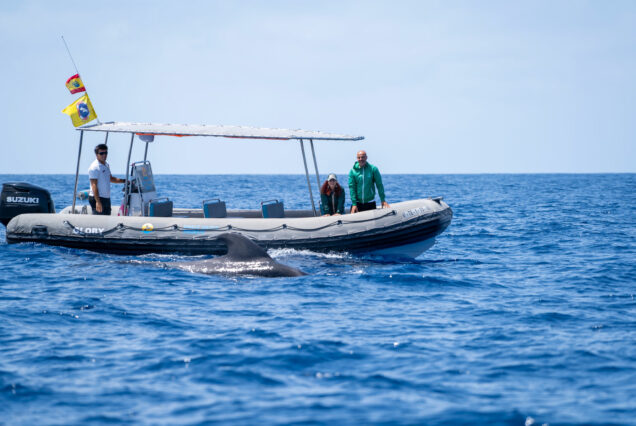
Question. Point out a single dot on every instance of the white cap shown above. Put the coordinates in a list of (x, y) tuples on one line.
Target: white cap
[(333, 176)]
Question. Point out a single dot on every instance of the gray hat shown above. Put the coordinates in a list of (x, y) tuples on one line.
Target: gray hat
[(332, 176)]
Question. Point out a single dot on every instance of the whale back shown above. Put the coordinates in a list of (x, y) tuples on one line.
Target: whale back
[(240, 248), (244, 257)]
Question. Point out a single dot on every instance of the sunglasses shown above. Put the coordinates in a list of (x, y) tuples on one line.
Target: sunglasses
[(103, 153)]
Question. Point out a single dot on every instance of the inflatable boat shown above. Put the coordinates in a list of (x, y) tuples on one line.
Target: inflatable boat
[(148, 223)]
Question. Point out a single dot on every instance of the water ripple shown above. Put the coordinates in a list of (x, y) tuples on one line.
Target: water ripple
[(521, 314)]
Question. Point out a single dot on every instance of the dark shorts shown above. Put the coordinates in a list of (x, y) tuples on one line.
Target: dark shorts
[(366, 206), (105, 205)]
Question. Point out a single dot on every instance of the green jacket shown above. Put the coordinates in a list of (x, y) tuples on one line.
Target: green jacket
[(361, 184), (332, 204)]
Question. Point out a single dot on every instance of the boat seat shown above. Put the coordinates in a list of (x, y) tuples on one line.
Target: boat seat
[(160, 207), (214, 208), (272, 209)]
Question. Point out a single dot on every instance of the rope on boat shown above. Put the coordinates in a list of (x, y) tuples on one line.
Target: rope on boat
[(175, 227), (119, 226)]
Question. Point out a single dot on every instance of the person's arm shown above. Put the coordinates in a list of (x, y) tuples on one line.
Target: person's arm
[(377, 177), (113, 179), (324, 205), (341, 200), (98, 202), (353, 184)]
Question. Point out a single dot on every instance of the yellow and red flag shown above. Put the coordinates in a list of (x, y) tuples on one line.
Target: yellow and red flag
[(74, 84), (81, 111)]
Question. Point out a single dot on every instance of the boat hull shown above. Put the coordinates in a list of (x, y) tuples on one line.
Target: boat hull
[(405, 230)]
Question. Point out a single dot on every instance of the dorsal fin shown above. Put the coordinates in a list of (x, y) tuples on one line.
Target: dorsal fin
[(239, 247)]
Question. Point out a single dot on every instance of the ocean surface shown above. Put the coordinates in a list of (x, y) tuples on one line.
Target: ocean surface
[(523, 313)]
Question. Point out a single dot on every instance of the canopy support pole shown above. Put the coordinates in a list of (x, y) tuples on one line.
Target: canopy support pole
[(311, 197), (128, 185), (313, 153), (106, 139), (79, 155), (145, 152)]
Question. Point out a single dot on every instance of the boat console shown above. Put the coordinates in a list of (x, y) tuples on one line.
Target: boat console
[(140, 190)]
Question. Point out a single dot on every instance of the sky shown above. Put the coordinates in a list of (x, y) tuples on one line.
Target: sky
[(433, 86)]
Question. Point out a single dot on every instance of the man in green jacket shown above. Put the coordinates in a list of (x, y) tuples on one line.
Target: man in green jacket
[(362, 178)]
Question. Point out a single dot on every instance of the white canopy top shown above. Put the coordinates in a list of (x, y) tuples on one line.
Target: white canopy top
[(222, 131)]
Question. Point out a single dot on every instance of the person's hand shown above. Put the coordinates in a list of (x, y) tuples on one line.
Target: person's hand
[(326, 214), (354, 209), (385, 205), (98, 206), (336, 214)]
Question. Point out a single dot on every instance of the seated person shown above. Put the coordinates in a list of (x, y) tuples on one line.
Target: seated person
[(332, 197)]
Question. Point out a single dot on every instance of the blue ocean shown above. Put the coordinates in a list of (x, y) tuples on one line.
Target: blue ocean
[(523, 313)]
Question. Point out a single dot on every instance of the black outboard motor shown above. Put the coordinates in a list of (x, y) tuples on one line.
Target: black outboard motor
[(22, 197)]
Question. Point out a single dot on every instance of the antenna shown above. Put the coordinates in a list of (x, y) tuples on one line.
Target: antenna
[(70, 56)]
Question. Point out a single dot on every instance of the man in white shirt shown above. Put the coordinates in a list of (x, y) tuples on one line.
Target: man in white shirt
[(100, 177)]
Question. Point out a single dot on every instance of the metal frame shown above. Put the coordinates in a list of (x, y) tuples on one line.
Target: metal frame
[(127, 185), (100, 127), (79, 156), (313, 153), (311, 196)]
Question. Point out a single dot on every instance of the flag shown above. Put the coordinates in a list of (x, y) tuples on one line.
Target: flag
[(74, 84), (81, 111)]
